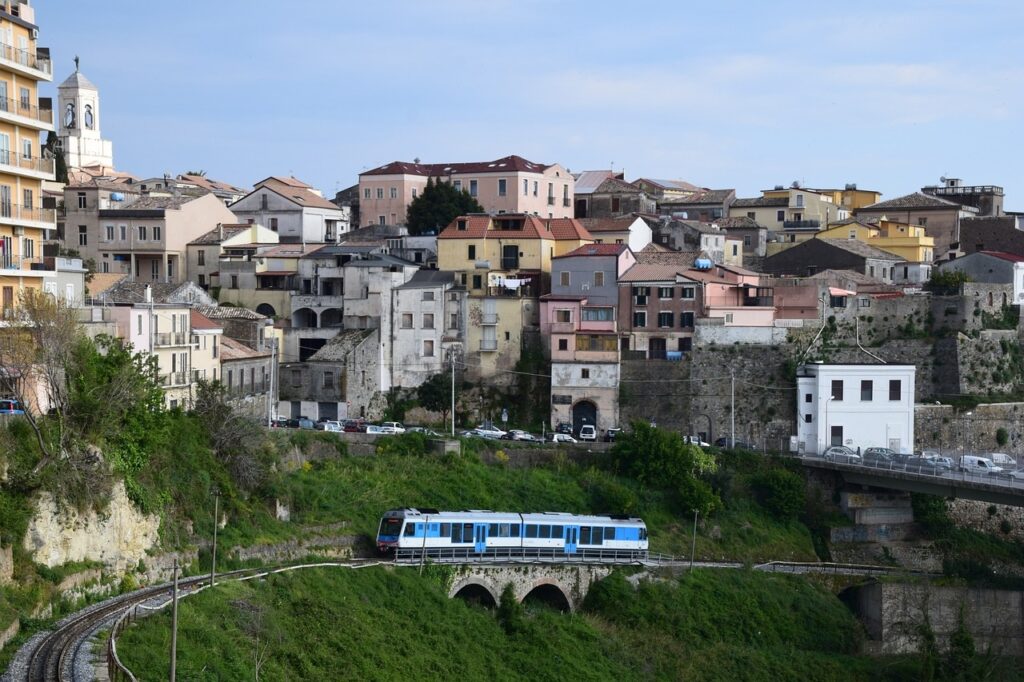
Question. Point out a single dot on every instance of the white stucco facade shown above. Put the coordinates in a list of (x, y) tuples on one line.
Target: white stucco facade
[(859, 406), (78, 125)]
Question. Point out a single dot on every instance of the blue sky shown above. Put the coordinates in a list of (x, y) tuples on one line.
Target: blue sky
[(890, 95)]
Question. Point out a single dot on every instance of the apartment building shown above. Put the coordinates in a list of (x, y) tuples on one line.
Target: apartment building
[(297, 212), (24, 117), (203, 254), (794, 210), (507, 185)]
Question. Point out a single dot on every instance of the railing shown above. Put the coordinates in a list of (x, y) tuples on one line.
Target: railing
[(20, 263), (165, 339), (521, 292), (13, 159), (25, 58), (174, 379), (551, 201), (801, 224), (489, 318), (765, 301), (488, 344), (566, 202), (26, 109), (938, 472), (509, 263), (563, 327), (33, 213), (523, 554)]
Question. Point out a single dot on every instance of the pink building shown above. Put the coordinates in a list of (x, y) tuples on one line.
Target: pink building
[(507, 185)]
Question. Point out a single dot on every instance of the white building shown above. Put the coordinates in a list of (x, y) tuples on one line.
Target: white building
[(859, 406), (293, 209), (78, 124)]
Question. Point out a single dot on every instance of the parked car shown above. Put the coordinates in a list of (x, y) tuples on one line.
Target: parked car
[(514, 434), (304, 423), (563, 427), (972, 464), (1015, 475), (1003, 460), (611, 434), (392, 427), (699, 442), (331, 426), (880, 456), (841, 453), (588, 432), (375, 429), (923, 465), (10, 406), (561, 438), (354, 426), (726, 442), (280, 423), (491, 432), (430, 433)]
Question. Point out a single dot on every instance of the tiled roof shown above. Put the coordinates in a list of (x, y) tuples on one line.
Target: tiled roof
[(102, 281), (226, 312), (202, 322), (504, 164), (1003, 255), (234, 350), (914, 200), (338, 348), (588, 181), (653, 272), (597, 225), (218, 235), (669, 184), (135, 292), (595, 250), (679, 259), (290, 180), (534, 227), (702, 227), (151, 203), (296, 191), (616, 185), (289, 250), (77, 80), (702, 196), (209, 183), (738, 223), (428, 279), (857, 247), (763, 202)]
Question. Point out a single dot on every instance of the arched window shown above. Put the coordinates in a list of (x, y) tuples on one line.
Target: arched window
[(87, 116), (69, 115)]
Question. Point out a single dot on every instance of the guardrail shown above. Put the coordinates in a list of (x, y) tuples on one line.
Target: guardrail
[(520, 555), (999, 480)]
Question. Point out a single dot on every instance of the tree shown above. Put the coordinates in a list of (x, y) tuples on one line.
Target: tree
[(234, 435), (780, 492), (437, 205), (435, 395)]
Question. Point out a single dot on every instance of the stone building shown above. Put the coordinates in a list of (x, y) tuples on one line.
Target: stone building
[(815, 255), (338, 381), (431, 316), (939, 217), (615, 197)]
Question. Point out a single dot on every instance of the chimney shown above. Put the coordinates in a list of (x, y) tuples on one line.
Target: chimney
[(220, 231), (149, 294)]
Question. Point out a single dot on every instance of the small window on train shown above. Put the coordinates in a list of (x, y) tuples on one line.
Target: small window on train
[(609, 533), (492, 530), (410, 530), (556, 531), (545, 532), (456, 533), (584, 535), (514, 530), (503, 530), (531, 530), (643, 533), (446, 529), (467, 532), (597, 536)]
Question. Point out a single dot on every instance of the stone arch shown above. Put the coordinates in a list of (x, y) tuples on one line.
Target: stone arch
[(304, 318), (330, 317), (550, 593), (990, 302), (266, 309), (584, 412), (474, 589)]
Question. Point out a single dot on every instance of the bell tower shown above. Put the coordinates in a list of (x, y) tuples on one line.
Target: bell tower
[(78, 123)]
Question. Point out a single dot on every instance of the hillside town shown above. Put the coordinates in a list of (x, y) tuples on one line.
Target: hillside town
[(632, 298)]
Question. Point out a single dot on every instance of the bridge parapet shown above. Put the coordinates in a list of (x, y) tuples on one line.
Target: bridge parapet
[(562, 585)]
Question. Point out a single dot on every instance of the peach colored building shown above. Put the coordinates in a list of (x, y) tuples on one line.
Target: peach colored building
[(507, 185)]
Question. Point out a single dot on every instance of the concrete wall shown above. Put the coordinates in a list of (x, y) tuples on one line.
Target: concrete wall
[(707, 334), (954, 432)]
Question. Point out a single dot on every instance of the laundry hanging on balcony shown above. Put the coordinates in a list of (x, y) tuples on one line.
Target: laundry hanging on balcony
[(511, 282)]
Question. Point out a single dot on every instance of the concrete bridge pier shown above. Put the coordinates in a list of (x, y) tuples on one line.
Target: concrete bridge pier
[(878, 515), (559, 585)]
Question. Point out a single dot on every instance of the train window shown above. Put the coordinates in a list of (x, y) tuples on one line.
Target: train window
[(597, 536), (503, 530), (556, 531), (545, 532), (410, 530), (456, 532), (584, 535), (492, 530), (531, 530), (643, 533), (609, 533), (467, 532), (446, 529), (514, 530)]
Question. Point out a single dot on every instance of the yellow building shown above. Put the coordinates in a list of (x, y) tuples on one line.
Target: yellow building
[(504, 262), (23, 119), (852, 198), (902, 239)]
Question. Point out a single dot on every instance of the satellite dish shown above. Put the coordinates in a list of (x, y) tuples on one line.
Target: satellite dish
[(942, 179)]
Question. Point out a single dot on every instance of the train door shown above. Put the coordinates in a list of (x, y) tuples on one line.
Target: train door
[(572, 537), (480, 537)]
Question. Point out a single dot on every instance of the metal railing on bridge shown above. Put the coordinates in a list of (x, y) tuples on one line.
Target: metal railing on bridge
[(1006, 479), (459, 555)]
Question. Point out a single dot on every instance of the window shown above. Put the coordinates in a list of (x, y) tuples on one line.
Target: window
[(380, 192), (808, 397), (866, 390), (234, 281), (502, 187), (202, 279), (273, 224), (923, 222), (526, 187), (328, 379), (865, 302), (595, 342), (871, 271), (685, 344), (394, 192), (382, 220), (154, 269), (406, 320), (780, 216), (110, 233), (428, 348), (728, 318), (735, 249), (470, 250), (752, 215), (366, 193), (453, 322), (27, 199), (584, 373), (563, 279), (142, 233), (689, 293), (156, 233), (837, 390), (665, 319), (599, 279), (536, 186), (895, 389), (598, 314), (138, 325), (413, 192), (81, 200), (83, 237), (477, 281), (123, 229), (639, 318), (665, 292), (563, 344), (428, 295), (26, 148), (428, 320), (685, 320), (640, 295), (472, 188), (836, 435), (799, 200), (616, 205), (807, 418)]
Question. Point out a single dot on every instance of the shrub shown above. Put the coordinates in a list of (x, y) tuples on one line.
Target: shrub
[(1002, 436), (780, 492)]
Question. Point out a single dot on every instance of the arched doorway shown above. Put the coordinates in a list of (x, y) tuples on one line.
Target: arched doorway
[(477, 595), (548, 595), (266, 309), (583, 412), (304, 318)]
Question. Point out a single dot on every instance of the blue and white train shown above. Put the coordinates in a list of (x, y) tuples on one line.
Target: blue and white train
[(478, 533)]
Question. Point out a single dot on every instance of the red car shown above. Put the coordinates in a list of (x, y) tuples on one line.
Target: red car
[(354, 426)]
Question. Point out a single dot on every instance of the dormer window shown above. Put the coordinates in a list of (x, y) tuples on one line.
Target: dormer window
[(461, 225)]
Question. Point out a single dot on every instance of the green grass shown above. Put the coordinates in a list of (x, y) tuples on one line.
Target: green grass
[(381, 624)]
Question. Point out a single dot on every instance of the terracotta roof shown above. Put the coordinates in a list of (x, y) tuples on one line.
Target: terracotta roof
[(596, 250), (217, 235), (857, 247), (669, 184), (102, 281), (159, 203), (533, 227), (289, 250), (291, 181), (914, 200), (234, 350), (617, 185), (299, 193), (209, 183), (761, 201), (436, 170), (653, 272), (202, 322), (1003, 255), (608, 224), (682, 259)]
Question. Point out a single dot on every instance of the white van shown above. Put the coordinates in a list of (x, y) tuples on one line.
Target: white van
[(588, 432), (978, 465), (1003, 460)]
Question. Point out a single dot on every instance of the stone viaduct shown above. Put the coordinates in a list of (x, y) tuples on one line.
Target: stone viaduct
[(560, 585)]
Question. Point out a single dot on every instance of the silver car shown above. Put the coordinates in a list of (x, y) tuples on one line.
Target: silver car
[(841, 453)]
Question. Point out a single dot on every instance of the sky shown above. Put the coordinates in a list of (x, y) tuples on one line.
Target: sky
[(745, 95)]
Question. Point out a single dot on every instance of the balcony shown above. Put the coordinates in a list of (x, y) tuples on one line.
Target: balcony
[(489, 319), (170, 339), (551, 201), (563, 328), (27, 165), (503, 292), (567, 202), (759, 301), (26, 113), (801, 224), (35, 64), (25, 264), (489, 344), (33, 216), (510, 263), (174, 379), (317, 301)]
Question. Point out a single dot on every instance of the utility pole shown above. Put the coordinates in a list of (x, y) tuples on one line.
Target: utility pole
[(174, 624), (693, 541), (270, 388), (452, 357), (732, 409), (216, 522)]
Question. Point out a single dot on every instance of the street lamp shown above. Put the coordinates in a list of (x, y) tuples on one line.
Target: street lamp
[(828, 434), (963, 433), (216, 522)]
